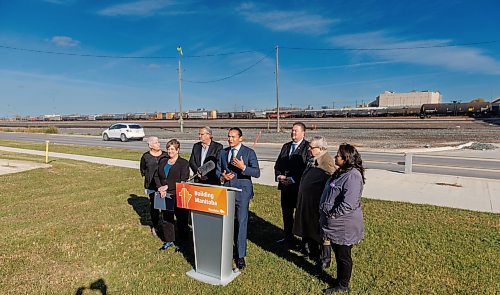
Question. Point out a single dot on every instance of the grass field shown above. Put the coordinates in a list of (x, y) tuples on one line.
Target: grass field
[(77, 226), (106, 152)]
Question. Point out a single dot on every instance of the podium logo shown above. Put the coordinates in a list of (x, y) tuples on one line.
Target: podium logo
[(185, 197)]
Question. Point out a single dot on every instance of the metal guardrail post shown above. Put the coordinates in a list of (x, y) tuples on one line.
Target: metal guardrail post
[(408, 163)]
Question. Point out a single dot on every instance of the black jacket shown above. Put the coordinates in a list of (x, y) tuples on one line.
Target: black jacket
[(212, 155), (178, 172), (292, 166), (149, 168)]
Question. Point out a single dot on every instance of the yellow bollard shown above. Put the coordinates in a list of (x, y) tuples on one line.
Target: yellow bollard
[(46, 152)]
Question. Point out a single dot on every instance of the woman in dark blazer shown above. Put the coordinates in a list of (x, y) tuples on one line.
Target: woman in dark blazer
[(341, 218), (171, 170)]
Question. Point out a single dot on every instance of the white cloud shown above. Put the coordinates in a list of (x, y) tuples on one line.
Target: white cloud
[(461, 58), (286, 21), (138, 8), (153, 66), (64, 41)]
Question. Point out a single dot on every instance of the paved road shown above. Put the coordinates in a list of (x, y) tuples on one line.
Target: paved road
[(423, 163)]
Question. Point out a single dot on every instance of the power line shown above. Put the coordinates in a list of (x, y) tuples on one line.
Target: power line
[(122, 56), (386, 49), (230, 76)]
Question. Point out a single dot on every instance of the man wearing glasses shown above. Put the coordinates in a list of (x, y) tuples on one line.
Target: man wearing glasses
[(288, 171), (204, 151)]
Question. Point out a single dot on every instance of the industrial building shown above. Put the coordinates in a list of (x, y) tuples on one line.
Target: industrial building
[(407, 99)]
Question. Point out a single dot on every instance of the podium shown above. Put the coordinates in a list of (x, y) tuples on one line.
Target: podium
[(212, 216)]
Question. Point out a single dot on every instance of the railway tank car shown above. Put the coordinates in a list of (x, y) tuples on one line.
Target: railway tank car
[(471, 109)]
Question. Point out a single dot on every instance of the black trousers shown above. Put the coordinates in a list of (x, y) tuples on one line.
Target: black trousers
[(155, 215), (344, 263), (288, 203), (168, 225)]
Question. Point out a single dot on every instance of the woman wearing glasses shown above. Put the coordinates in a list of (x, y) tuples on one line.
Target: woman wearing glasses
[(341, 219), (306, 225)]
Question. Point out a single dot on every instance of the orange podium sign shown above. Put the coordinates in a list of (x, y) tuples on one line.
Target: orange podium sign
[(202, 198)]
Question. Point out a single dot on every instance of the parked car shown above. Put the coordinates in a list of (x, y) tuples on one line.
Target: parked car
[(123, 132)]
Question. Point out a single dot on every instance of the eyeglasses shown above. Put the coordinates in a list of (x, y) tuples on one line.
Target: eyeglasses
[(313, 147)]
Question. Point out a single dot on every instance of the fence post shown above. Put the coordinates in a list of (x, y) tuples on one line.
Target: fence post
[(408, 163), (46, 152)]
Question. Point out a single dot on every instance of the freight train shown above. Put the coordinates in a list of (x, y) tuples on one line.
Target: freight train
[(471, 109)]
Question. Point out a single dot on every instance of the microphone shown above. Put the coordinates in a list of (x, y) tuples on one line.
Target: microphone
[(206, 168), (203, 170)]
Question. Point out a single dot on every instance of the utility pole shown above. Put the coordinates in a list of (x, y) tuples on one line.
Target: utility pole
[(277, 94), (179, 71)]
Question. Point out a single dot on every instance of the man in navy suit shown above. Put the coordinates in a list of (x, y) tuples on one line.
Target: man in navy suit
[(236, 166), (204, 151)]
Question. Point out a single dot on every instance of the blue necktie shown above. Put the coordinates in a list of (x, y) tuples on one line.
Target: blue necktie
[(294, 146)]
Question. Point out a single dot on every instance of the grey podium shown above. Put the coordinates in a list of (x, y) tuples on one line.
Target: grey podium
[(212, 215)]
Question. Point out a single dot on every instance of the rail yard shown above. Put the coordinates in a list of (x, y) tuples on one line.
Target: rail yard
[(377, 133)]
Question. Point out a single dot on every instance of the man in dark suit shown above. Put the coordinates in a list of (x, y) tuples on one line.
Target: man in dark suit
[(288, 171), (236, 166), (204, 151)]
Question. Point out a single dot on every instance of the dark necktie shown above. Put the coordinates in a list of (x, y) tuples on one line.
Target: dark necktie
[(294, 146), (233, 155)]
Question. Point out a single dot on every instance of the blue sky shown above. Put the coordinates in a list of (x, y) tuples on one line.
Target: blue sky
[(39, 83)]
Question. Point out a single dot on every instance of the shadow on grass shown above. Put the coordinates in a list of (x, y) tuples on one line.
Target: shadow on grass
[(263, 234), (99, 285), (141, 207), (140, 204)]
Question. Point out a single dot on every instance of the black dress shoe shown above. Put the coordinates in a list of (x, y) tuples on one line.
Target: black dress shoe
[(322, 265), (337, 289), (240, 263), (287, 243), (305, 250)]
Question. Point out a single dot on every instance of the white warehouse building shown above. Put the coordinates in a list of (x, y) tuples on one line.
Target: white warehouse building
[(407, 99)]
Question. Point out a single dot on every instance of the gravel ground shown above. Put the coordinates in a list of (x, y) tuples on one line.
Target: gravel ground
[(370, 138)]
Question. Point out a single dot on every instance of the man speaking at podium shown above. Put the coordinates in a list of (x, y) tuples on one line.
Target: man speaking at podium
[(236, 166)]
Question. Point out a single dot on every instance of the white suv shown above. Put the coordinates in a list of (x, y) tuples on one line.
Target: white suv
[(124, 132)]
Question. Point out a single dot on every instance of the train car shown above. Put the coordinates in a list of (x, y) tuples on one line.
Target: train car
[(472, 109), (495, 108), (74, 117), (223, 115), (274, 115), (260, 114), (396, 112), (243, 115), (199, 114)]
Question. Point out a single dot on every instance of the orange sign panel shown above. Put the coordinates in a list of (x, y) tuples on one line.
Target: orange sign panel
[(202, 198)]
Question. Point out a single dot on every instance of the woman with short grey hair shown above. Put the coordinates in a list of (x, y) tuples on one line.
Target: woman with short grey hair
[(306, 224), (149, 169)]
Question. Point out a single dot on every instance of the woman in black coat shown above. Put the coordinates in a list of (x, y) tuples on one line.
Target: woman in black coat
[(149, 170), (171, 170), (306, 225)]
